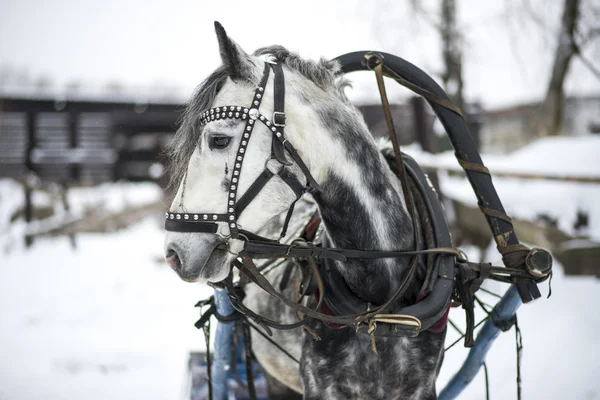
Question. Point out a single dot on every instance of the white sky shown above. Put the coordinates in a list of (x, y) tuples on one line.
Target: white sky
[(142, 43)]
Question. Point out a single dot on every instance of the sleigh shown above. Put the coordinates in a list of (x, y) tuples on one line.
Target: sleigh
[(229, 372)]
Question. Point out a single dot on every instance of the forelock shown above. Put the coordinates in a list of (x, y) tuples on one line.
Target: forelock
[(186, 138), (325, 73)]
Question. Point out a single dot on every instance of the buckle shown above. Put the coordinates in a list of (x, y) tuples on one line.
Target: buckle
[(279, 118)]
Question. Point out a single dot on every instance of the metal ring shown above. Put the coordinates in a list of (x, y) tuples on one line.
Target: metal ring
[(462, 257), (373, 56)]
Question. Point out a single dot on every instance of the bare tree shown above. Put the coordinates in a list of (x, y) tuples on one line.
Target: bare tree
[(452, 76), (552, 106)]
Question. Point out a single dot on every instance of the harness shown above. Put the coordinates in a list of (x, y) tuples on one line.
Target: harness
[(225, 223), (449, 275), (434, 300)]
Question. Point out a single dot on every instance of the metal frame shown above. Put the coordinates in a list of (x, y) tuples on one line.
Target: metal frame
[(504, 310)]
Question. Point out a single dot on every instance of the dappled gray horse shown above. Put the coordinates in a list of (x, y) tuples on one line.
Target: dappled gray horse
[(360, 201)]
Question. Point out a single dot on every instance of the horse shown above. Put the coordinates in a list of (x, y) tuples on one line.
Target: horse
[(361, 202)]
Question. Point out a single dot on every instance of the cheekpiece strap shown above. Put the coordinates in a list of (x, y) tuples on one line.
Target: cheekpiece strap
[(277, 149), (253, 114), (183, 222)]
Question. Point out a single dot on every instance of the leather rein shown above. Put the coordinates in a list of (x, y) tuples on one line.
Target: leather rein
[(255, 246)]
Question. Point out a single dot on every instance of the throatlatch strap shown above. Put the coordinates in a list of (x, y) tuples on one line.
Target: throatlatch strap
[(288, 217), (292, 182), (312, 184)]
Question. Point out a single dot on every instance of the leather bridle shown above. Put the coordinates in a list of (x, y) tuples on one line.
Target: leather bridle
[(226, 224), (410, 320)]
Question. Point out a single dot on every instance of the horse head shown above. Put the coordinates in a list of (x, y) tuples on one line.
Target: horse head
[(230, 139)]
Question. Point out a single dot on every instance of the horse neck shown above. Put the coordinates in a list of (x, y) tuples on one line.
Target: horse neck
[(362, 207)]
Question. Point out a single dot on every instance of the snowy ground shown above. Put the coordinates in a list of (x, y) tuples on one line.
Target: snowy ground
[(108, 320), (105, 321), (528, 199)]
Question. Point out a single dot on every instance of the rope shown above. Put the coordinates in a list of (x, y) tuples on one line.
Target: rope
[(206, 330), (272, 342), (487, 381), (460, 338), (248, 359), (456, 328), (490, 292), (518, 342), (519, 346)]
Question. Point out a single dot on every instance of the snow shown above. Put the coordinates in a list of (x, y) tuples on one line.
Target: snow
[(558, 156), (555, 156), (109, 319), (105, 320), (560, 345)]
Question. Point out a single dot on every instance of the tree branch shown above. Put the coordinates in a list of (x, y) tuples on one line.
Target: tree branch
[(590, 66)]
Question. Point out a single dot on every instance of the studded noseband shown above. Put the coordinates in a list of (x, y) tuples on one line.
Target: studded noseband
[(227, 222)]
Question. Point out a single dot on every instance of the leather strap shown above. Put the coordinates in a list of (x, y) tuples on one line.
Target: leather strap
[(199, 227), (248, 129), (292, 182), (473, 166), (248, 268), (412, 211), (276, 250), (279, 112), (312, 185), (252, 191), (260, 183), (375, 59)]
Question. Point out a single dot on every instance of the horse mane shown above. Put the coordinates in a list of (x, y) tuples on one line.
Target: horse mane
[(327, 74)]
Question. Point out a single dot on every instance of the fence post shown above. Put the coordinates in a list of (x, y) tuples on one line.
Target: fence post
[(74, 168), (28, 206)]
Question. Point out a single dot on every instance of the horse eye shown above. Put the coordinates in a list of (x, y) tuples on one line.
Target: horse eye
[(219, 142)]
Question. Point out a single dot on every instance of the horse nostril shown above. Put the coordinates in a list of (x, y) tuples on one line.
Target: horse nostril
[(172, 259)]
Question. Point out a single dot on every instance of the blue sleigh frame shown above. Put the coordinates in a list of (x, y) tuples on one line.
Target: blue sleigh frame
[(222, 362), (522, 291)]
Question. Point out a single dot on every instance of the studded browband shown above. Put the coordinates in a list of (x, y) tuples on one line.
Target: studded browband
[(221, 223)]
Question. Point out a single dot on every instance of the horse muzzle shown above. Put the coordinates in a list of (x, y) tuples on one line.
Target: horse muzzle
[(198, 257)]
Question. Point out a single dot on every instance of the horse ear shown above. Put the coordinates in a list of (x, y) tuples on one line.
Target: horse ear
[(237, 62)]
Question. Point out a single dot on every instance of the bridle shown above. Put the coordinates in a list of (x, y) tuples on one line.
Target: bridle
[(256, 246), (226, 224), (408, 321)]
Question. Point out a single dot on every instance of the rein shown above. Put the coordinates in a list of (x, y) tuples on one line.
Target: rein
[(257, 247)]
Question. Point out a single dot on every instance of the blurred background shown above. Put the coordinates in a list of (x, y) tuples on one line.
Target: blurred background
[(91, 93)]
